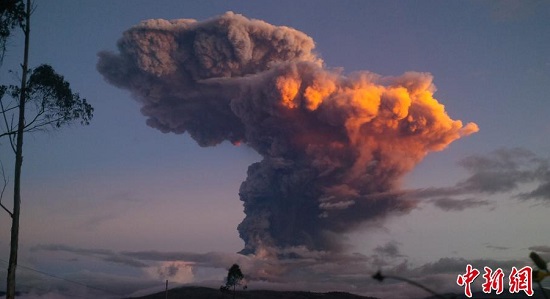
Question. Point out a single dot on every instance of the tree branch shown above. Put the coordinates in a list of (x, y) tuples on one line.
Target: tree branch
[(8, 133), (4, 189), (8, 127), (12, 137), (8, 109), (29, 127), (38, 114), (40, 125)]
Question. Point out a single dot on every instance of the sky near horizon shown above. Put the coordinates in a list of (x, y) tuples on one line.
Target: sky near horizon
[(122, 206)]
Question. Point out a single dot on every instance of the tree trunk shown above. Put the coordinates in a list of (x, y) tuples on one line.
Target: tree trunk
[(14, 243)]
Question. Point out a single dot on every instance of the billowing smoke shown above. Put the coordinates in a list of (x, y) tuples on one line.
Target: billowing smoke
[(334, 146)]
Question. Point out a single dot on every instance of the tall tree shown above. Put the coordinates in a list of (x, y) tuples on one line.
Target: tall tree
[(234, 278), (45, 97)]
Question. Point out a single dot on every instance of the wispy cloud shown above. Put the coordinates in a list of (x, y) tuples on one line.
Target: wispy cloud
[(503, 171), (495, 247), (512, 10), (390, 249), (103, 254), (452, 204)]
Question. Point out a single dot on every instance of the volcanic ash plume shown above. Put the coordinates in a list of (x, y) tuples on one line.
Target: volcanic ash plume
[(333, 146)]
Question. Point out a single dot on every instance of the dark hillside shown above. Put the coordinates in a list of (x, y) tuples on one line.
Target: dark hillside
[(208, 293)]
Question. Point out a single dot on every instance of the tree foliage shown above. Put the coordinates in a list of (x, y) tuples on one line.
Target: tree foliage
[(12, 15), (234, 276), (50, 102)]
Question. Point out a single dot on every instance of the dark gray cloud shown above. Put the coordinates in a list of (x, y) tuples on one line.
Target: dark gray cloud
[(458, 265), (495, 247), (333, 147), (386, 255), (103, 254), (500, 171), (390, 249), (452, 204), (512, 11)]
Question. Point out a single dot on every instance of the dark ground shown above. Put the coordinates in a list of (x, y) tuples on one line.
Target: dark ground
[(208, 293)]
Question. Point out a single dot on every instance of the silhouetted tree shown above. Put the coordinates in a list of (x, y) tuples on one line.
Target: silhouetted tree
[(234, 278), (12, 14), (45, 97)]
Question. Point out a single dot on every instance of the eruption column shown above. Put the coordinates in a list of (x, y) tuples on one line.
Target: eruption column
[(334, 146)]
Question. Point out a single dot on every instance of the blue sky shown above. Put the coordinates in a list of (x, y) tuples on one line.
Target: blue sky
[(118, 186)]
